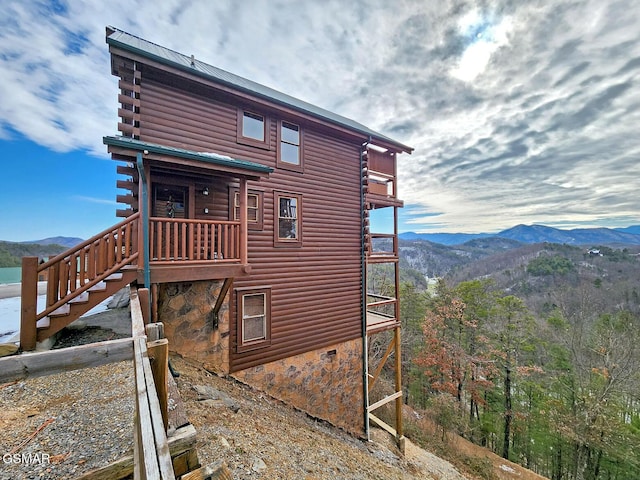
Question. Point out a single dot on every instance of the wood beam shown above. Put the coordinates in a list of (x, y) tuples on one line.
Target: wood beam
[(38, 364)]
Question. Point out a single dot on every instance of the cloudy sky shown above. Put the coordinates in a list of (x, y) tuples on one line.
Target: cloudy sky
[(519, 111)]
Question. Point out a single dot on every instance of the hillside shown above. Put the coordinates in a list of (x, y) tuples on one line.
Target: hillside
[(436, 260), (538, 272), (539, 234), (12, 252), (259, 437)]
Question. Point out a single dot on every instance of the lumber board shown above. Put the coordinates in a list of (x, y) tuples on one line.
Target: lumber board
[(146, 439), (216, 471), (378, 404), (385, 426), (183, 441), (38, 364)]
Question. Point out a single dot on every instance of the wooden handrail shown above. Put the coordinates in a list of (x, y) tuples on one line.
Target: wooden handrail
[(75, 271), (85, 287), (80, 246)]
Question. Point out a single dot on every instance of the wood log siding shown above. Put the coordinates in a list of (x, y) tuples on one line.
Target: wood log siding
[(179, 239), (315, 288)]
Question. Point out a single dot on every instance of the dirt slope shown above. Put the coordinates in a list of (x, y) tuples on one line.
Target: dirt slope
[(259, 437)]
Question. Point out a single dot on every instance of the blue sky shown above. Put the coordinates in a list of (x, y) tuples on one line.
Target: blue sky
[(520, 112)]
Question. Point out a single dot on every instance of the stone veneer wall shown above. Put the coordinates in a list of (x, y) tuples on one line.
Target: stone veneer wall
[(324, 384), (185, 310)]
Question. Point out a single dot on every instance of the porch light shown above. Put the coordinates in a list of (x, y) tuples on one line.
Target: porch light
[(205, 191)]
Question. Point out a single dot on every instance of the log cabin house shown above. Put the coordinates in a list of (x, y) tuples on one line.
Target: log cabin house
[(246, 214)]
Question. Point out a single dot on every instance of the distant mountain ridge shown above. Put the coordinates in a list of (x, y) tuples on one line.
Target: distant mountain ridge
[(538, 234), (63, 241)]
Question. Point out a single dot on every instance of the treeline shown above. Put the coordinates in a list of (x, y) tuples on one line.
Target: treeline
[(554, 386), (11, 253)]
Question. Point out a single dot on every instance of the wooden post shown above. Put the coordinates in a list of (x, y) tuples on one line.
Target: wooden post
[(143, 295), (398, 383), (159, 355), (29, 300), (244, 229)]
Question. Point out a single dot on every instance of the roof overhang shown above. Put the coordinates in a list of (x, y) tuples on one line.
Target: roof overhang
[(140, 49), (213, 162)]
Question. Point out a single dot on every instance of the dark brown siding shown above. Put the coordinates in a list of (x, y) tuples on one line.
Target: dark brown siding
[(315, 288)]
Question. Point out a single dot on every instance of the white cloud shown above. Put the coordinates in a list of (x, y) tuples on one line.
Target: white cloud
[(519, 113)]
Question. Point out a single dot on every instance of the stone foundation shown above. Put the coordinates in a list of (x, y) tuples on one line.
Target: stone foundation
[(185, 309), (325, 383)]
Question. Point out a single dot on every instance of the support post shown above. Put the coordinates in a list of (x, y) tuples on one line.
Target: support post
[(158, 352), (244, 227), (398, 369), (143, 295), (29, 301)]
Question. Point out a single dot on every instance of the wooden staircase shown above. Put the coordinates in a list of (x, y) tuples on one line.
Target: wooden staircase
[(77, 280)]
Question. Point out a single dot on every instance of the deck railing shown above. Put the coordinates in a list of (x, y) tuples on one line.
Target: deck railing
[(379, 248), (183, 239)]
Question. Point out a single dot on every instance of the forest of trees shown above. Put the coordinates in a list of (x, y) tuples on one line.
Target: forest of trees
[(540, 364), (11, 253)]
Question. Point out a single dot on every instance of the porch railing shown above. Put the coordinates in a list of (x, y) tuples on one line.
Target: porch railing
[(183, 239)]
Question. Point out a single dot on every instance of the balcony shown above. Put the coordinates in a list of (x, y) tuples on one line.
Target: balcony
[(182, 249)]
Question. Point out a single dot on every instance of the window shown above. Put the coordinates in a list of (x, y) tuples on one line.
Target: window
[(289, 146), (253, 129), (287, 215), (255, 201), (169, 201), (254, 317)]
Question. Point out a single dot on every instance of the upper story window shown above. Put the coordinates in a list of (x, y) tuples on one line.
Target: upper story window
[(289, 146), (288, 215), (253, 129)]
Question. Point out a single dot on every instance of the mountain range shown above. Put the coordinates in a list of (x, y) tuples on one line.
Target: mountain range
[(64, 241), (539, 234)]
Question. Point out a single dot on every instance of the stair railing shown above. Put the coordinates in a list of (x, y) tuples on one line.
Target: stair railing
[(75, 271)]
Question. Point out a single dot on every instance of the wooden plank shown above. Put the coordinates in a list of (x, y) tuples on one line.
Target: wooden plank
[(137, 319), (183, 441), (385, 400), (159, 356), (216, 471), (385, 426), (159, 433), (147, 449), (39, 364), (177, 411)]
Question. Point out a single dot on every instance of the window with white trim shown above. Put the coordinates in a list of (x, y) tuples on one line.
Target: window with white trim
[(253, 129), (254, 317), (289, 146), (255, 202)]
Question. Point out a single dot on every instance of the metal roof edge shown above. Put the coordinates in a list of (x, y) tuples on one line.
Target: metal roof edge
[(217, 159), (295, 103)]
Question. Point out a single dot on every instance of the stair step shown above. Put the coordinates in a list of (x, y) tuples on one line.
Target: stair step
[(113, 277), (82, 298), (43, 323), (98, 287), (61, 311)]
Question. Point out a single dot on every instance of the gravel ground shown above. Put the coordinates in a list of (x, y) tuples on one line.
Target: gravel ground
[(83, 420)]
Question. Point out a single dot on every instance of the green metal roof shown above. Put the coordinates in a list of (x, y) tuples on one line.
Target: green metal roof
[(211, 158), (131, 43)]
